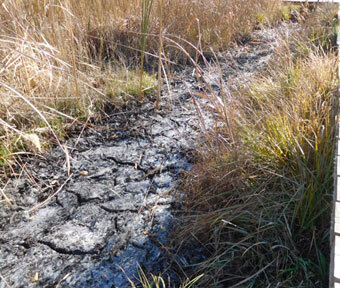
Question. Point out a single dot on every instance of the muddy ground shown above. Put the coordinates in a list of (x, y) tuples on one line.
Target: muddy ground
[(115, 211)]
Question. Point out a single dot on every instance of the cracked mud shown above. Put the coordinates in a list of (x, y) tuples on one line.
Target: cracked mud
[(116, 210)]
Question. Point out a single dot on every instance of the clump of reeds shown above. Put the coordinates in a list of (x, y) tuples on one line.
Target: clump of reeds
[(259, 197)]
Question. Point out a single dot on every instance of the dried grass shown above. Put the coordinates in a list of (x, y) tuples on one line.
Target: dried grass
[(259, 196), (57, 55)]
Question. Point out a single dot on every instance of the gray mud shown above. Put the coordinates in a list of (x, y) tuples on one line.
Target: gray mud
[(116, 210)]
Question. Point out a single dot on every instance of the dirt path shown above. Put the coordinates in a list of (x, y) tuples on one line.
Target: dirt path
[(116, 210)]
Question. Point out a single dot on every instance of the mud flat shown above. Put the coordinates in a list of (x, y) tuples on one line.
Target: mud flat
[(114, 212)]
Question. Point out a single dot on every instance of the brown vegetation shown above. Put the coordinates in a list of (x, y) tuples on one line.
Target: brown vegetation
[(259, 200), (57, 56)]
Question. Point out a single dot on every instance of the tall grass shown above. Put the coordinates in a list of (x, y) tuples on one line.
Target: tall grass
[(259, 197), (146, 11), (61, 56), (160, 50)]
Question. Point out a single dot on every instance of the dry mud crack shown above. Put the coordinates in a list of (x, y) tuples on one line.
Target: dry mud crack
[(101, 226)]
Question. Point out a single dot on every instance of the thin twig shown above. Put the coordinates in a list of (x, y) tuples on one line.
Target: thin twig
[(80, 134), (67, 160), (63, 279), (8, 201), (3, 279), (51, 196)]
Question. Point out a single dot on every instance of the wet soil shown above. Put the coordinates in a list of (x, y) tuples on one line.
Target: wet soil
[(115, 210)]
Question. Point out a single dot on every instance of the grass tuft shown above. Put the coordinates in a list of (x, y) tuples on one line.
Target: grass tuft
[(260, 202)]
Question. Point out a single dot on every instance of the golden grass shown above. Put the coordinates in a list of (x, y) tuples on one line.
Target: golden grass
[(260, 201), (58, 56)]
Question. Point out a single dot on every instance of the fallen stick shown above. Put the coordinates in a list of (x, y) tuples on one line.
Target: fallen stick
[(51, 196)]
